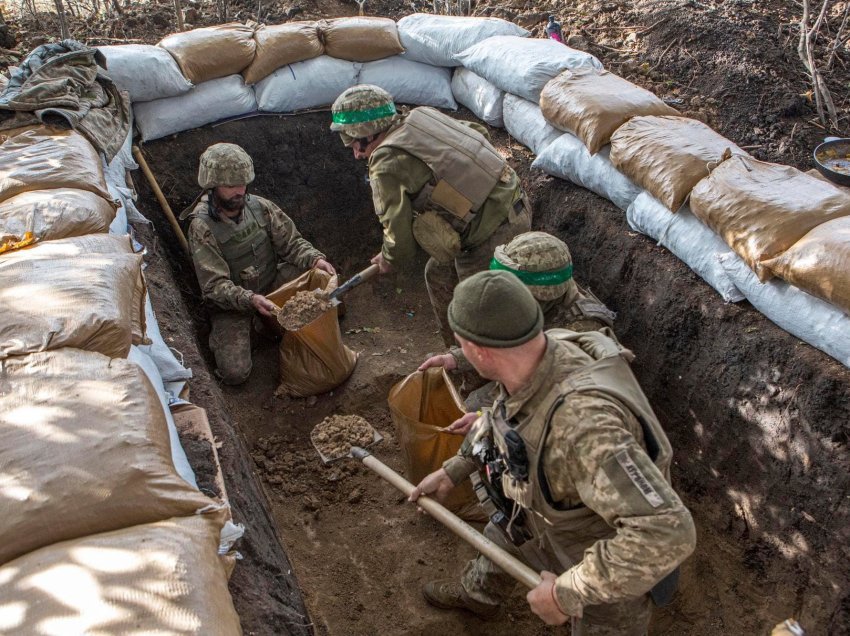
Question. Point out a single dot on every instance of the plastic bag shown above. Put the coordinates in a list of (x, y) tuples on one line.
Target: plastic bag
[(526, 124), (212, 52), (479, 96), (308, 84), (280, 45), (360, 39), (146, 72), (411, 82)]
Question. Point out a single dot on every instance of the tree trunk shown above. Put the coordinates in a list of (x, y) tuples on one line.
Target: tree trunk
[(178, 9), (64, 33)]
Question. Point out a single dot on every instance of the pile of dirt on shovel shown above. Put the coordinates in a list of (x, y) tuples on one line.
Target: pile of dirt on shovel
[(302, 309), (336, 434)]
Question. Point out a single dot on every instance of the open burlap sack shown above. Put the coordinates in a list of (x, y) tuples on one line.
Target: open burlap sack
[(819, 263), (360, 39), (761, 209), (212, 52), (47, 158), (84, 440), (592, 103), (280, 45), (157, 578), (668, 155)]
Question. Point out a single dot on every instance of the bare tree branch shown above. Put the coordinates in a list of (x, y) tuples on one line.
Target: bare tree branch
[(64, 33)]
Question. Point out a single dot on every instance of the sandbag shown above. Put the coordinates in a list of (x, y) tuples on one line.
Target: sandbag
[(158, 578), (308, 84), (411, 82), (84, 440), (479, 96), (668, 155), (568, 158), (761, 209), (280, 45), (48, 158), (526, 124), (212, 52), (435, 39), (360, 39), (688, 238), (313, 360), (810, 319), (592, 103), (146, 72), (819, 263), (169, 367), (204, 104), (522, 66), (421, 405)]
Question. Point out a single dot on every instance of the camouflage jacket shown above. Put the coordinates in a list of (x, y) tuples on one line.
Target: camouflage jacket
[(213, 271)]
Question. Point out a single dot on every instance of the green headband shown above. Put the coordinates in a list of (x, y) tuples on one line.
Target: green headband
[(362, 116), (555, 277)]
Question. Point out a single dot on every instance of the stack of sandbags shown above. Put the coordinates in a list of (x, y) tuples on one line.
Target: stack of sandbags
[(410, 82), (480, 96), (212, 52), (146, 72), (526, 124), (309, 84), (360, 39), (282, 44)]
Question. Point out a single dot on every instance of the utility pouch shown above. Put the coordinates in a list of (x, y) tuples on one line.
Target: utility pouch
[(448, 198), (250, 278), (436, 236)]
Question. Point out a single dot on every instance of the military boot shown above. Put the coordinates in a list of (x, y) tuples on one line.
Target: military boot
[(449, 594)]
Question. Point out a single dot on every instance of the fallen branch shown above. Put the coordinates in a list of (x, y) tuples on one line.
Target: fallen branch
[(823, 98)]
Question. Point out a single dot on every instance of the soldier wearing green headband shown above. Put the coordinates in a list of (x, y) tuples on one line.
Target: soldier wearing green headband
[(436, 182)]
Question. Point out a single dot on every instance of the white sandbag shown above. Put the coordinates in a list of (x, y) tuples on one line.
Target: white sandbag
[(169, 367), (525, 123), (479, 96), (522, 66), (178, 455), (205, 103), (120, 223), (146, 72), (308, 84), (688, 238), (435, 39), (411, 82), (810, 319), (568, 158)]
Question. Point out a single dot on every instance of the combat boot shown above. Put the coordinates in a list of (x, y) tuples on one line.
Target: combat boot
[(449, 594)]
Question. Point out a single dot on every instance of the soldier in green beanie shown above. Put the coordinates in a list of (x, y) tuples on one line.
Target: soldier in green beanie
[(575, 467)]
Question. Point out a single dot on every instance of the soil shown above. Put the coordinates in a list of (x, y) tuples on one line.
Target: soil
[(302, 309), (199, 452), (334, 436)]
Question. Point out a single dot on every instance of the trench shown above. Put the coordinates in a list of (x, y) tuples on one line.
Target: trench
[(759, 422)]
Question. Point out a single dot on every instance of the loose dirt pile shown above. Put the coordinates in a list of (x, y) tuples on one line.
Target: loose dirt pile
[(302, 309), (335, 435)]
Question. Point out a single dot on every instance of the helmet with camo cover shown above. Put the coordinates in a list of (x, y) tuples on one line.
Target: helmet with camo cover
[(541, 261), (225, 165), (362, 111)]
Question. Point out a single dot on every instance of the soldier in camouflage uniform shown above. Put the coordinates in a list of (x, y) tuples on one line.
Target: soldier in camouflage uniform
[(243, 246), (436, 182), (578, 463)]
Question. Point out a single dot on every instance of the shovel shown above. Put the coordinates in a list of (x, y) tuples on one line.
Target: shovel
[(330, 458), (352, 282)]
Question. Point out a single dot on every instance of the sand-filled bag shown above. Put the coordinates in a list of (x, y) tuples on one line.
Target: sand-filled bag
[(282, 44), (157, 578), (421, 405), (84, 448), (411, 82), (360, 39), (212, 52), (146, 72), (668, 155), (313, 359), (525, 123), (308, 84), (479, 96), (761, 209), (592, 103)]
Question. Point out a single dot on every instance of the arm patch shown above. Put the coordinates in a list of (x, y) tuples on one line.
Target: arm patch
[(638, 479)]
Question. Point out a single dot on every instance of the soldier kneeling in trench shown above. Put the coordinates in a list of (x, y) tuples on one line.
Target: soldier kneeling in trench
[(544, 264), (243, 246), (572, 465)]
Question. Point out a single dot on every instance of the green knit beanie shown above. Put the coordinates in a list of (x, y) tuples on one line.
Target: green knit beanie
[(494, 309)]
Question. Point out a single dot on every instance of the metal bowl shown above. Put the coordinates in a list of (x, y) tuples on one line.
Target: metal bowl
[(832, 159)]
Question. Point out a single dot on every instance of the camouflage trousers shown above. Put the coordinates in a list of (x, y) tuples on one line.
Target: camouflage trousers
[(441, 280), (230, 337), (487, 583)]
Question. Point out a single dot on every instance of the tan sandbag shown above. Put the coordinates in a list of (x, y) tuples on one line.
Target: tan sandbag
[(158, 578), (360, 39), (8, 133), (313, 360), (819, 263), (46, 158), (55, 214), (280, 45), (84, 448), (668, 155), (761, 209), (421, 405), (212, 52), (592, 103), (68, 294)]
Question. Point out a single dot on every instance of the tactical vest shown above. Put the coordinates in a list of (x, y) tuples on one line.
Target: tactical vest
[(246, 247), (586, 313)]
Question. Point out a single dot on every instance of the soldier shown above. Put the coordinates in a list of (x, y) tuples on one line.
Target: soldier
[(577, 470), (243, 246), (435, 181)]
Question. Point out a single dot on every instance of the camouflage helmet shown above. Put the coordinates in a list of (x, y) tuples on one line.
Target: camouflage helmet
[(541, 261), (362, 111), (225, 165)]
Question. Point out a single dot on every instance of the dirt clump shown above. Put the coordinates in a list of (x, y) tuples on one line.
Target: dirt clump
[(336, 434), (302, 309)]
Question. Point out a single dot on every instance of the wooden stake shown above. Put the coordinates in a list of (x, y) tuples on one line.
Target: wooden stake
[(137, 155)]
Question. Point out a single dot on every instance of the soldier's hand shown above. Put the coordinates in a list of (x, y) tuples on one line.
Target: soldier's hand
[(436, 485), (445, 360), (544, 603), (323, 265), (462, 425), (263, 305), (384, 266)]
